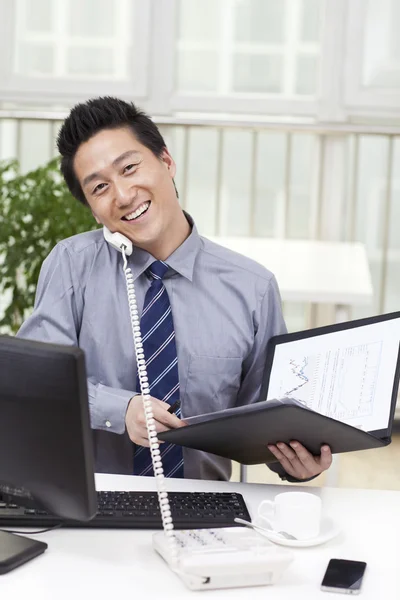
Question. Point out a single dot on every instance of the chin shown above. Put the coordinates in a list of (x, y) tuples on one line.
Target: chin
[(143, 237), (142, 241)]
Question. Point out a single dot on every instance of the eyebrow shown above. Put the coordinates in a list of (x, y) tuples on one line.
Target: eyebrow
[(114, 163)]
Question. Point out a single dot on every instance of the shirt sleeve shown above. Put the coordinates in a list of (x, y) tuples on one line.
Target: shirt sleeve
[(268, 322), (56, 319)]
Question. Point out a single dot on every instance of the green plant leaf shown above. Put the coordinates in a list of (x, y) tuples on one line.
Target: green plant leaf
[(36, 212)]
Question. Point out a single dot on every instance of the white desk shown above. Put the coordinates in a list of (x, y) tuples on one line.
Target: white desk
[(118, 564), (311, 271)]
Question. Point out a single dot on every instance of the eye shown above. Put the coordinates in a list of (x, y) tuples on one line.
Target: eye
[(99, 188), (129, 168)]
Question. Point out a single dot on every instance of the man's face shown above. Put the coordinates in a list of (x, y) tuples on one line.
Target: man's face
[(127, 187)]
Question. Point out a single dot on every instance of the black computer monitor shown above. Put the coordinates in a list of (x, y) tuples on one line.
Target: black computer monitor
[(46, 445)]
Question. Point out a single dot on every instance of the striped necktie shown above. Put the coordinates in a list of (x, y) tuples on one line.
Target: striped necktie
[(158, 336)]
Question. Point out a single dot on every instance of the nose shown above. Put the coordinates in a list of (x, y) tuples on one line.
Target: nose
[(124, 193)]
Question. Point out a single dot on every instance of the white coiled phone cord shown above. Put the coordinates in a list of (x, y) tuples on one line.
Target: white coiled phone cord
[(148, 412)]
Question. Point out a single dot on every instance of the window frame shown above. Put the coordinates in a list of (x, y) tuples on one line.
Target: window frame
[(242, 103), (17, 88), (360, 99)]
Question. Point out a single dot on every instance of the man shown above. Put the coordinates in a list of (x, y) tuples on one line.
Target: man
[(217, 309)]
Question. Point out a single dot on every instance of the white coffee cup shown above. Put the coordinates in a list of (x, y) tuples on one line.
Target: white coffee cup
[(297, 513)]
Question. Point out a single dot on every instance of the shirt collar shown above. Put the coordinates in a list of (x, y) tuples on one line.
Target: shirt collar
[(181, 260)]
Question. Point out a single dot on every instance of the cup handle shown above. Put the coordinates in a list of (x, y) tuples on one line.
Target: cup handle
[(265, 515), (268, 503), (261, 520)]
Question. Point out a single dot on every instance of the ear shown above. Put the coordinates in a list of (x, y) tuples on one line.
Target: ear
[(169, 162)]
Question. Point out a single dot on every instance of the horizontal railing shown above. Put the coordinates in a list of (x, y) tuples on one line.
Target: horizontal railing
[(303, 126)]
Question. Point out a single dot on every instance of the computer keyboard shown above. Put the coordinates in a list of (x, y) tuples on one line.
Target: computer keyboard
[(139, 510)]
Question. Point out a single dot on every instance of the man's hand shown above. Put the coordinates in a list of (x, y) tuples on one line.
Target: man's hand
[(300, 463), (136, 423)]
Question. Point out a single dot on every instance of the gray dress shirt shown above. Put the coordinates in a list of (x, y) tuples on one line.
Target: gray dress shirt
[(225, 309)]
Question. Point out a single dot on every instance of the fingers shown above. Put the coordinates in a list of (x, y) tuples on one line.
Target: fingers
[(326, 458), (140, 433), (282, 459), (306, 459), (143, 441), (299, 462), (289, 461), (136, 420), (161, 414)]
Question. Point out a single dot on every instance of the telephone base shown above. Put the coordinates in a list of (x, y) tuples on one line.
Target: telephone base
[(224, 558)]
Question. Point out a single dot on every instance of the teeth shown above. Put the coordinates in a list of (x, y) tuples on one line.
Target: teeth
[(138, 212)]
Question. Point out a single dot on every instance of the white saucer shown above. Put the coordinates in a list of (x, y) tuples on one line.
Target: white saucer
[(329, 530)]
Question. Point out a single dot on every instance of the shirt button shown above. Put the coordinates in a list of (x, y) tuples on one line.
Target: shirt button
[(108, 424)]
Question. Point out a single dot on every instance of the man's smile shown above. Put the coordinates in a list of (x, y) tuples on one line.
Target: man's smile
[(137, 214)]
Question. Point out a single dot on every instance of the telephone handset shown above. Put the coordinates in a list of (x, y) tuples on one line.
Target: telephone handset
[(203, 559), (118, 241)]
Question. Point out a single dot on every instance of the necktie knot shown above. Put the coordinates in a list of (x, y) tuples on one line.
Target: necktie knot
[(157, 269)]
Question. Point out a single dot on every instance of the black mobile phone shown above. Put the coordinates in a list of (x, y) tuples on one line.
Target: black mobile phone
[(344, 576), (15, 550)]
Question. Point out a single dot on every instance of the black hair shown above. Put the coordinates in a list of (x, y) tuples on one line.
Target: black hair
[(88, 118)]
